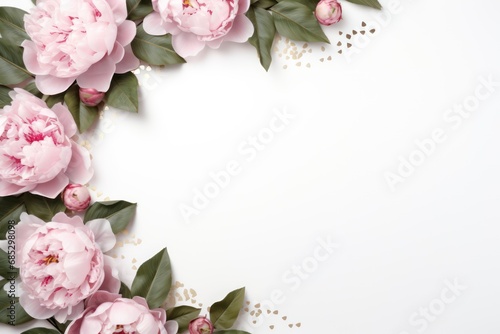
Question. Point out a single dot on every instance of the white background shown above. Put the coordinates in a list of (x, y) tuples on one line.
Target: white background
[(323, 176)]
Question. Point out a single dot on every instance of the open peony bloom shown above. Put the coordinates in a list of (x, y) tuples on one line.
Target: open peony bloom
[(196, 23), (108, 313), (37, 153), (62, 263), (83, 40)]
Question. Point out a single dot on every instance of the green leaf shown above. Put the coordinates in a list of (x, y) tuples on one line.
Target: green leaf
[(40, 330), (224, 313), (118, 213), (232, 331), (53, 99), (125, 291), (370, 3), (263, 34), (43, 207), (155, 50), (33, 89), (123, 92), (266, 4), (311, 4), (154, 279), (297, 22), (183, 315), (11, 312), (12, 70), (4, 96), (12, 25), (83, 115), (7, 270), (138, 9), (11, 208)]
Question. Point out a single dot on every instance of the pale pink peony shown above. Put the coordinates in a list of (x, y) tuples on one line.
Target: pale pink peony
[(108, 313), (201, 325), (62, 263), (196, 23), (37, 153), (76, 197), (83, 40), (328, 12)]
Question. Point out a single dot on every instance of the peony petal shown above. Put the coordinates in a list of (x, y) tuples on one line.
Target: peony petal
[(172, 326), (33, 307), (147, 325), (62, 316), (101, 36), (152, 24), (243, 6), (8, 189), (119, 8), (126, 32), (77, 266), (30, 59), (64, 116), (101, 297), (50, 85), (123, 313), (52, 188), (80, 167), (186, 44), (75, 326), (103, 234), (99, 75), (129, 62), (111, 281), (75, 221), (241, 30)]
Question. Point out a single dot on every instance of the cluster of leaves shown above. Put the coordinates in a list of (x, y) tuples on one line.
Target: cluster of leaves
[(152, 281)]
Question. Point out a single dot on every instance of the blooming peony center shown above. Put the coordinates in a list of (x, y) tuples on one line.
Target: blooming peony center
[(61, 30)]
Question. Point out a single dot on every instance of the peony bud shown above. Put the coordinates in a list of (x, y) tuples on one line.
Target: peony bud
[(328, 12), (76, 197), (201, 325), (91, 97)]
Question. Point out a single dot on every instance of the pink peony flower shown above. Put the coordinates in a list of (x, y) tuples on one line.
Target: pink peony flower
[(108, 313), (201, 325), (62, 263), (37, 153), (196, 23), (90, 97), (328, 12), (76, 197), (83, 40)]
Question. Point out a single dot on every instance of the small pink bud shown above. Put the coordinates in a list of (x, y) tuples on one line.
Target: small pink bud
[(328, 12), (201, 325), (91, 97), (76, 197)]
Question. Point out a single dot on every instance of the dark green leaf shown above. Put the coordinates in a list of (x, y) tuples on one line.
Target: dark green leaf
[(266, 4), (83, 115), (54, 99), (125, 291), (232, 331), (12, 70), (138, 9), (297, 22), (33, 89), (370, 3), (118, 213), (154, 279), (183, 315), (11, 208), (155, 50), (311, 4), (4, 96), (11, 312), (12, 25), (224, 313), (40, 330), (7, 269), (43, 207), (123, 92), (263, 34)]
